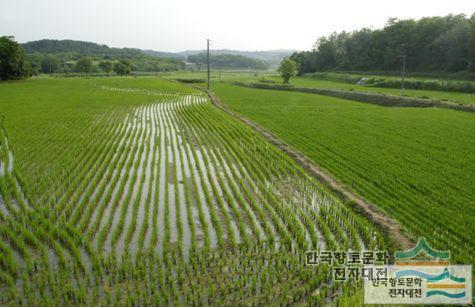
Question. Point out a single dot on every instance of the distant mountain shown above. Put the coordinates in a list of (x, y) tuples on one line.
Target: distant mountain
[(163, 54), (272, 57), (228, 61), (53, 56), (79, 48)]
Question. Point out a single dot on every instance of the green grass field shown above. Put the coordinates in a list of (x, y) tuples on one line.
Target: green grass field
[(138, 191), (416, 164), (463, 98), (455, 97)]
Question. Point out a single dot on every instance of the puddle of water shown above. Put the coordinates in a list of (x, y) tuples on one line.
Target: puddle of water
[(219, 192), (198, 192), (9, 167), (195, 212), (154, 172), (135, 196), (247, 208), (172, 213), (108, 170), (159, 93), (130, 143), (162, 179), (147, 185), (178, 172), (3, 207), (213, 166), (117, 210)]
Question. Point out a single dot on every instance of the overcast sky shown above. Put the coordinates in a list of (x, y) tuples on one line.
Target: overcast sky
[(175, 25)]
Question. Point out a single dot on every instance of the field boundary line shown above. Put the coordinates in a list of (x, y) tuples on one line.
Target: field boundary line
[(384, 100), (370, 211)]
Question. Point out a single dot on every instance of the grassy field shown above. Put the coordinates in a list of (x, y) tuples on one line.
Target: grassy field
[(464, 98), (135, 191), (416, 164), (456, 97)]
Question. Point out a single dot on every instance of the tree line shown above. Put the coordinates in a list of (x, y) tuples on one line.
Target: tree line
[(19, 61), (67, 56), (227, 61), (431, 44), (79, 48), (65, 63)]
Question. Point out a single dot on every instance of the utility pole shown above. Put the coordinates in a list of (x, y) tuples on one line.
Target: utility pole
[(207, 62), (403, 73), (219, 72)]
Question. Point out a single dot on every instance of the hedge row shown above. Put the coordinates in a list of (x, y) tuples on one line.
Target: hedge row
[(373, 98), (393, 82)]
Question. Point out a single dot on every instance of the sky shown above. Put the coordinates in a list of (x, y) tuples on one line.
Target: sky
[(176, 25)]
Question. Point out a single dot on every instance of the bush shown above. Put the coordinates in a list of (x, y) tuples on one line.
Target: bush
[(267, 81), (190, 80), (395, 82), (345, 78), (437, 85)]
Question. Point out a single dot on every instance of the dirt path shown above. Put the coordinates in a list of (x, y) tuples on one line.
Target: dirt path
[(371, 211)]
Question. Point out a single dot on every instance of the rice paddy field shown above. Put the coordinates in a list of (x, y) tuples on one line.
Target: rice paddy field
[(417, 164), (138, 191)]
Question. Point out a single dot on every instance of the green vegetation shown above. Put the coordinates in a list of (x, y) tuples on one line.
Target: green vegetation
[(138, 191), (61, 56), (227, 61), (106, 66), (396, 82), (13, 62), (429, 44), (456, 97), (122, 68), (287, 69), (84, 65), (81, 48), (336, 81), (270, 57), (416, 164), (306, 82)]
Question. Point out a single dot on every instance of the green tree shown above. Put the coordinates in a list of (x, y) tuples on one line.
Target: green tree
[(156, 67), (13, 62), (471, 67), (106, 66), (84, 65), (198, 59), (227, 61), (49, 64), (438, 43), (287, 69), (122, 68), (35, 63)]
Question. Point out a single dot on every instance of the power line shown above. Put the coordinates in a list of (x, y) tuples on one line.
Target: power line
[(403, 74), (207, 62)]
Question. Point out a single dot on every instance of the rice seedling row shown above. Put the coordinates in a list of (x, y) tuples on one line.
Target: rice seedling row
[(168, 201)]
